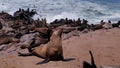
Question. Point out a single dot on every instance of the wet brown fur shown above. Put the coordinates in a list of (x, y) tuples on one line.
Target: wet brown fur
[(43, 30), (53, 49), (42, 38), (7, 39)]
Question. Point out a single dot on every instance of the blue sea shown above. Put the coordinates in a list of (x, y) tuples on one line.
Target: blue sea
[(92, 10)]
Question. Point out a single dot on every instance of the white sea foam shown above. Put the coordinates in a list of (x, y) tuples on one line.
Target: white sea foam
[(36, 16), (63, 15), (56, 9)]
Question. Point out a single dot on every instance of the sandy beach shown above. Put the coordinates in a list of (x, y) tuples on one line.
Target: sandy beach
[(104, 45)]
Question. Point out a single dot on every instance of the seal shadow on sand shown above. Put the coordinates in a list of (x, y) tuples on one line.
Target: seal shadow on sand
[(65, 60)]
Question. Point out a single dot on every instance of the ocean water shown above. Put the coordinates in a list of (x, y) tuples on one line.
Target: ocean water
[(92, 10)]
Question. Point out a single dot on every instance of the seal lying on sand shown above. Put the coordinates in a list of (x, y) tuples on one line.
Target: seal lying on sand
[(42, 37), (44, 32), (7, 39), (52, 50)]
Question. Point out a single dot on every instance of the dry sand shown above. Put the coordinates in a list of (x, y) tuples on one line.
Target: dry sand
[(105, 45)]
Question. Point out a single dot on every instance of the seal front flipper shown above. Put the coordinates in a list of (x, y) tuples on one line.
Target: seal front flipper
[(62, 58), (44, 61)]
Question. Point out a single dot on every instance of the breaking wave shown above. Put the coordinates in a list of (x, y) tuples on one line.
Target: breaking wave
[(92, 10)]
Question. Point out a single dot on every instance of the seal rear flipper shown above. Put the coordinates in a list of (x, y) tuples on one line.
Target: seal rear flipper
[(93, 65), (24, 54), (44, 61), (86, 65)]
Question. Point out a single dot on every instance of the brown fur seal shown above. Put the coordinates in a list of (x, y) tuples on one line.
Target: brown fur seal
[(52, 50), (44, 31), (38, 41), (7, 39), (41, 38)]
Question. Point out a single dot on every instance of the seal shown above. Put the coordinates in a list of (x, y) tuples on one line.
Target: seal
[(88, 65), (4, 39), (41, 38), (52, 50)]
